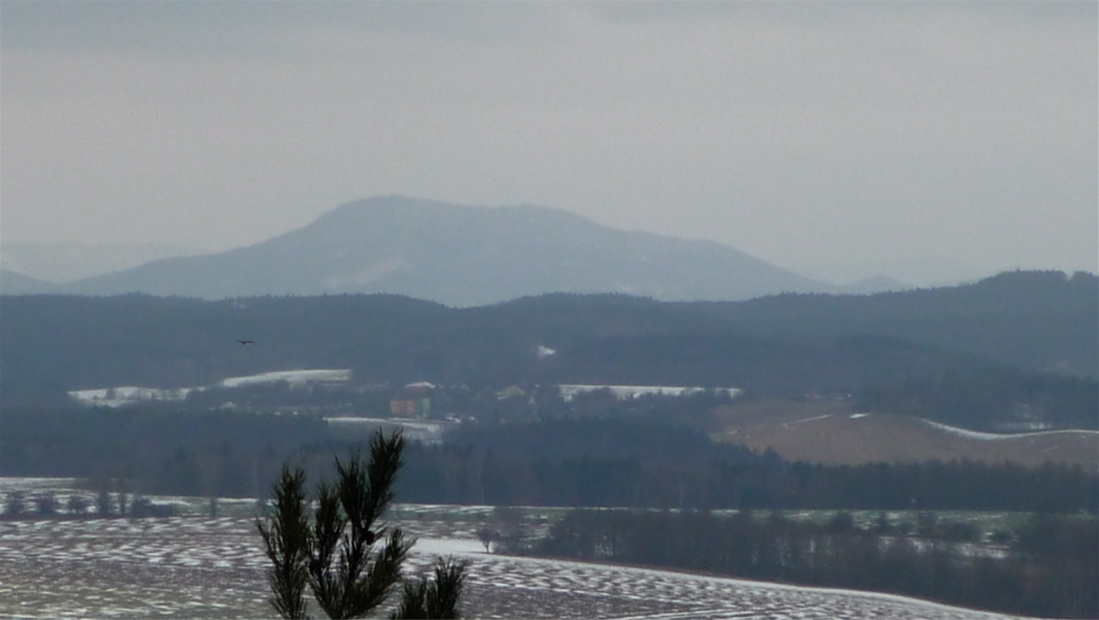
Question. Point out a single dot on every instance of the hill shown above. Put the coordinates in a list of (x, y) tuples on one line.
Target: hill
[(461, 256), (1037, 320), (980, 356)]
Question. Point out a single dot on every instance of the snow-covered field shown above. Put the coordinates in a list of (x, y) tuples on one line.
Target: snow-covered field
[(196, 567), (124, 395)]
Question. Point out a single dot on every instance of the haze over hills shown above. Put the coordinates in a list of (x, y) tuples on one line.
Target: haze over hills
[(16, 283), (874, 276), (42, 268), (58, 263), (460, 255)]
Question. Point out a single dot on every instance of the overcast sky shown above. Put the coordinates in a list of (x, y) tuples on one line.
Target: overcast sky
[(805, 134)]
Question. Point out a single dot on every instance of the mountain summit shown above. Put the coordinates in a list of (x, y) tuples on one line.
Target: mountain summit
[(460, 255)]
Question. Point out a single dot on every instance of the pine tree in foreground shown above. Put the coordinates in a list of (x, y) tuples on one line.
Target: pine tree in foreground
[(334, 553), (286, 541), (434, 599)]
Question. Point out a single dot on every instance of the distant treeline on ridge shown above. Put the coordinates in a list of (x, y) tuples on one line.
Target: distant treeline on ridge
[(962, 355)]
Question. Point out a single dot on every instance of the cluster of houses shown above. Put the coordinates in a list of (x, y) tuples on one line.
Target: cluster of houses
[(413, 401)]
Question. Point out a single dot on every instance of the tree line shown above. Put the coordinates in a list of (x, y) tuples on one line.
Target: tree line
[(1020, 343), (1050, 570), (596, 461), (467, 475)]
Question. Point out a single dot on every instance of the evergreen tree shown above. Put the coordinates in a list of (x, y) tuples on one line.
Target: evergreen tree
[(286, 539), (334, 552), (424, 598), (345, 581)]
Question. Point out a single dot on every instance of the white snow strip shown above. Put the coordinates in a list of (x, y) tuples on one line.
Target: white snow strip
[(963, 432), (124, 395), (118, 396), (623, 392), (403, 422), (819, 417), (449, 546), (291, 376)]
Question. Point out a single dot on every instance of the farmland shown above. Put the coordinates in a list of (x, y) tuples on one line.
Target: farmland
[(196, 566), (830, 431)]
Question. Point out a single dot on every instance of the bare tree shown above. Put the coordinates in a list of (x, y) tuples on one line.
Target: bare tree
[(103, 503), (78, 505), (16, 504), (487, 536)]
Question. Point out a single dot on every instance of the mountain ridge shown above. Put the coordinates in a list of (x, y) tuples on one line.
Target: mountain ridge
[(14, 282), (64, 262), (461, 255)]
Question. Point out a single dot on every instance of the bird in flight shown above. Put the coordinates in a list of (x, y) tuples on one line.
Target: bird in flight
[(244, 342)]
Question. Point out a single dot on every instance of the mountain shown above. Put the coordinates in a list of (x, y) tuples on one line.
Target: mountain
[(461, 256), (14, 283)]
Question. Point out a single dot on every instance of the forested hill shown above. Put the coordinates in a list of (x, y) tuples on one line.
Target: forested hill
[(1024, 339), (1037, 320)]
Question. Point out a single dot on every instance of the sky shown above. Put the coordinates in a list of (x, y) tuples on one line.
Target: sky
[(810, 135)]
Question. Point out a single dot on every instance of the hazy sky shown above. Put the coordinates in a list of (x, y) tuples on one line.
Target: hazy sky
[(805, 134)]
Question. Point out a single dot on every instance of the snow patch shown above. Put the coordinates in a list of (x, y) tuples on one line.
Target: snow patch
[(118, 396), (293, 377), (403, 422), (624, 392), (812, 419), (418, 430), (124, 395), (449, 546), (964, 432)]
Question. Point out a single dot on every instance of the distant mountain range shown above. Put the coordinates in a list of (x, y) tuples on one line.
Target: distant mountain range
[(58, 263), (15, 283), (453, 254)]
